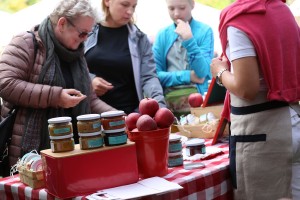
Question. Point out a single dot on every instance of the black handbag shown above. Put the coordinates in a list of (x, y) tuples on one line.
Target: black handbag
[(6, 128)]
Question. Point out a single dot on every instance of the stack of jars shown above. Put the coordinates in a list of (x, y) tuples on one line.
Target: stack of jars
[(175, 151), (61, 134), (113, 124), (89, 131)]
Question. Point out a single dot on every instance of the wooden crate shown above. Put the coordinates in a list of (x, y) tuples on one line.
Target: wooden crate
[(33, 179)]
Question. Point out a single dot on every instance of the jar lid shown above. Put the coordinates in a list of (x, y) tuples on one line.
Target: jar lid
[(113, 113), (88, 117), (57, 120), (174, 137), (89, 134), (114, 130), (179, 153), (61, 137), (194, 142)]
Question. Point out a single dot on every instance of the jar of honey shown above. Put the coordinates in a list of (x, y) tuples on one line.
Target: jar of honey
[(115, 137), (195, 146), (89, 123), (90, 140), (60, 126), (112, 120), (62, 143)]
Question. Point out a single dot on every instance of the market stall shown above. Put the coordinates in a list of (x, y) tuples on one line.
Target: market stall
[(209, 182)]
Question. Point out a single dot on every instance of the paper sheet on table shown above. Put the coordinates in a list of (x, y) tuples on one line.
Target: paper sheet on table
[(150, 186)]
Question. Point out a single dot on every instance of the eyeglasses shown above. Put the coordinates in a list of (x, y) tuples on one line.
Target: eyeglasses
[(82, 34)]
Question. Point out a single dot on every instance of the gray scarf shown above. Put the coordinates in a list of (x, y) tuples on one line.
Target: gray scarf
[(36, 134)]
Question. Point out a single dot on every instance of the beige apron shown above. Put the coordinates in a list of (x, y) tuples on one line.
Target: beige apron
[(263, 152)]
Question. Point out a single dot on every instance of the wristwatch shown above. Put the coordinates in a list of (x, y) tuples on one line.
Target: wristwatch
[(219, 77)]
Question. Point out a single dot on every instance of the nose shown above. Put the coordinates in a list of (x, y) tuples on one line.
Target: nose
[(176, 13), (130, 11)]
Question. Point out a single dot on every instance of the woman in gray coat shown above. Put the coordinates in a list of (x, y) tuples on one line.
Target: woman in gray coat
[(120, 59)]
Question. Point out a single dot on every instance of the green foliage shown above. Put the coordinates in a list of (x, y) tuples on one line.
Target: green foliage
[(15, 5), (219, 4)]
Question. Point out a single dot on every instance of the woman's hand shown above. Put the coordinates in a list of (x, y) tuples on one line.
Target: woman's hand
[(218, 64), (195, 78), (101, 86), (70, 98)]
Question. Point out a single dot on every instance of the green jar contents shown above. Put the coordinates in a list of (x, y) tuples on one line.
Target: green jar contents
[(89, 123), (175, 159), (62, 143), (112, 120), (115, 137), (60, 126), (195, 146), (90, 140)]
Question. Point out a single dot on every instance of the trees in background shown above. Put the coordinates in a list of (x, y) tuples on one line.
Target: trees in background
[(220, 4), (15, 5)]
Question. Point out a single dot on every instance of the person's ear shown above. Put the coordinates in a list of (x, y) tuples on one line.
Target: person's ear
[(193, 4), (62, 21)]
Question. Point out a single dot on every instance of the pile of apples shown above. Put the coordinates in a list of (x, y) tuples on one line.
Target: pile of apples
[(151, 117)]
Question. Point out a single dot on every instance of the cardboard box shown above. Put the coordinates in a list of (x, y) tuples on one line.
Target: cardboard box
[(82, 172)]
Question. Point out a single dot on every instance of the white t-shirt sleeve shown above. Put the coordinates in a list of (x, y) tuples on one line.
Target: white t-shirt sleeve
[(239, 44)]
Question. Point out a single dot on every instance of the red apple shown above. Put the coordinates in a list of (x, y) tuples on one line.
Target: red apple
[(164, 118), (195, 100), (148, 106), (146, 123), (131, 120)]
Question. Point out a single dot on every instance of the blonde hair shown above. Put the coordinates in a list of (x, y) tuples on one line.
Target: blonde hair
[(106, 13), (73, 9)]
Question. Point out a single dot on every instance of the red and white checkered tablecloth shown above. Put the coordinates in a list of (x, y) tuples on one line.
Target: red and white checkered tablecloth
[(211, 182)]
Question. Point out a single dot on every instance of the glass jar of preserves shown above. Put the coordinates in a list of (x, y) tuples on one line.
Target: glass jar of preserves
[(175, 159), (175, 143), (89, 123), (90, 140), (62, 143), (60, 126), (115, 137), (195, 146), (112, 120)]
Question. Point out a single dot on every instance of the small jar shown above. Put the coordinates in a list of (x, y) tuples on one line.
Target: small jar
[(89, 123), (175, 159), (60, 126), (90, 140), (62, 143), (112, 120), (115, 137), (175, 143), (195, 146)]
